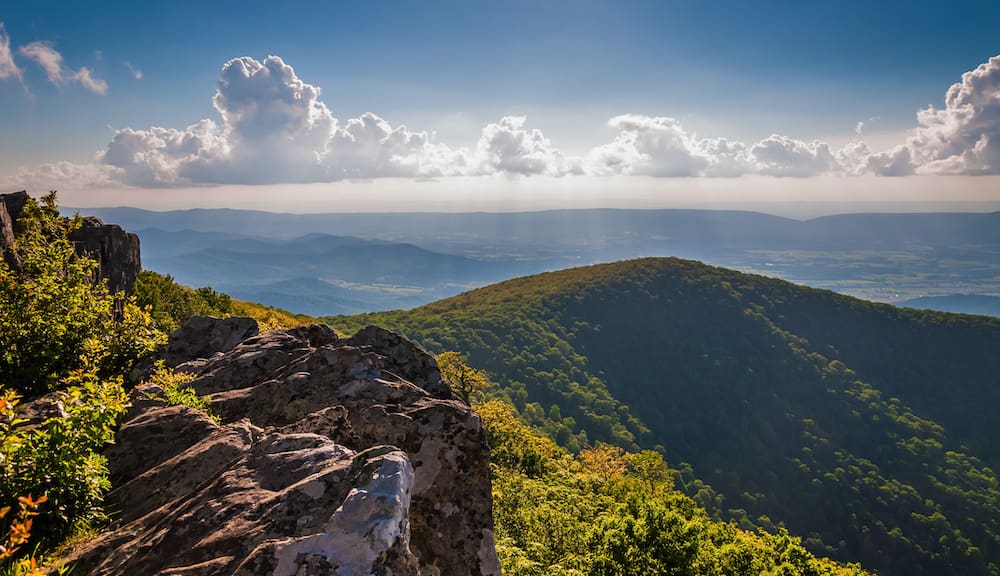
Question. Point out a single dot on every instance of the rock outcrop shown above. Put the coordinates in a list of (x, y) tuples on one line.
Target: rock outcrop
[(116, 251), (10, 210), (324, 460)]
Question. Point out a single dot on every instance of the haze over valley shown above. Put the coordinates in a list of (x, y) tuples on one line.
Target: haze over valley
[(324, 264)]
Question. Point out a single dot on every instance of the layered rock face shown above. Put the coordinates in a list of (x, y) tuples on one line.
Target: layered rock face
[(116, 251), (333, 457)]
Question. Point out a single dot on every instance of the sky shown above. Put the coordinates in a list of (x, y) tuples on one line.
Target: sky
[(464, 105)]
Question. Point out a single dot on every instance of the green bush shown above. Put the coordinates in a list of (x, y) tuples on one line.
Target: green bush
[(63, 333), (54, 318)]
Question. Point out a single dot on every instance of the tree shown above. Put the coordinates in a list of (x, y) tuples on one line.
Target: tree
[(54, 318), (604, 461), (650, 467), (469, 382)]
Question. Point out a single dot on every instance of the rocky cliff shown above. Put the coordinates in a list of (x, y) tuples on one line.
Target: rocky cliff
[(116, 251), (327, 456)]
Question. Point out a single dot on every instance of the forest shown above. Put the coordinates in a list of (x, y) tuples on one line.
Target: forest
[(865, 428)]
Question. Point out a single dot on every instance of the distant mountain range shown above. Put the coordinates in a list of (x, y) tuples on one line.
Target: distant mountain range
[(868, 429), (342, 263)]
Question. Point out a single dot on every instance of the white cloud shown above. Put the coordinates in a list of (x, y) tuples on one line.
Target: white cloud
[(63, 175), (859, 128), (45, 56), (508, 147), (95, 85), (964, 136), (369, 147), (653, 146), (275, 128), (50, 60), (136, 73), (8, 68), (779, 155), (659, 146)]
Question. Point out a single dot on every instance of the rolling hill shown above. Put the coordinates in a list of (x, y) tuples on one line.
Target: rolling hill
[(866, 428)]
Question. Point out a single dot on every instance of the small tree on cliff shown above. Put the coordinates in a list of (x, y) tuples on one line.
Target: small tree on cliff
[(467, 381)]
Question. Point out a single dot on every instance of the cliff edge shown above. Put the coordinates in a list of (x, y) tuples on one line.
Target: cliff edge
[(327, 456)]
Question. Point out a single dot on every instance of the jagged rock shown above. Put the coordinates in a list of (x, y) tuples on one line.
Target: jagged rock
[(325, 463), (115, 250), (10, 210), (203, 336), (406, 359)]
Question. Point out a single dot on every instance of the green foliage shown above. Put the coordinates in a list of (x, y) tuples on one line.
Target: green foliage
[(176, 391), (867, 429), (612, 513), (468, 382), (61, 332), (58, 458), (54, 318), (172, 304)]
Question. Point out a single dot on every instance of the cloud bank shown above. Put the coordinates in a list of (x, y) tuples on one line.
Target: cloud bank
[(273, 127)]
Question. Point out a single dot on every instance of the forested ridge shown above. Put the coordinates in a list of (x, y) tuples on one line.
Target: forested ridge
[(865, 428)]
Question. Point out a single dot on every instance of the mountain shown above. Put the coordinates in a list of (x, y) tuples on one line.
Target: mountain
[(957, 303), (865, 427), (318, 273), (881, 257)]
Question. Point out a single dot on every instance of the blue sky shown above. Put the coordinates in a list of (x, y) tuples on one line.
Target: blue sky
[(503, 94)]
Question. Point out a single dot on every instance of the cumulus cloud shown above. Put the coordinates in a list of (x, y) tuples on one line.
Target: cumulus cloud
[(8, 68), (779, 155), (507, 146), (273, 127), (964, 136), (659, 146), (654, 146), (369, 147), (51, 61)]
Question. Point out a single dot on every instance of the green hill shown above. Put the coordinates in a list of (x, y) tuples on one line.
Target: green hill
[(865, 428)]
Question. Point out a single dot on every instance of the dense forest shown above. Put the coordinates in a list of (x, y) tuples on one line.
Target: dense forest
[(865, 428)]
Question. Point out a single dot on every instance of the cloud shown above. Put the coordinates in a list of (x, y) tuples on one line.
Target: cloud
[(273, 127), (45, 56), (660, 146), (63, 175), (8, 68), (369, 147), (653, 146), (95, 85), (964, 136), (508, 147), (136, 73), (51, 61), (779, 155)]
